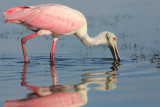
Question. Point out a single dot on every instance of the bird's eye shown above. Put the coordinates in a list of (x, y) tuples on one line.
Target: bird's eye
[(114, 38)]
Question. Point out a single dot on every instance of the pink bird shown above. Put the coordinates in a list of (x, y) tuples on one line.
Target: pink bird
[(56, 19)]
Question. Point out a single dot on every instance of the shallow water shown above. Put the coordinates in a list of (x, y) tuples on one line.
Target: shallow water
[(85, 76)]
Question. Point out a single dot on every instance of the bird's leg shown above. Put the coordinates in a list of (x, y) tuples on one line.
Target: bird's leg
[(23, 41), (24, 82), (55, 80), (53, 48)]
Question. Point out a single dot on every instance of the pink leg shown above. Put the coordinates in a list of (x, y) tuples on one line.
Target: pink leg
[(55, 80), (23, 41), (53, 49), (24, 82)]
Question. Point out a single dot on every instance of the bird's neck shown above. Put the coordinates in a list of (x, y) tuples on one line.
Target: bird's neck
[(90, 41), (87, 40)]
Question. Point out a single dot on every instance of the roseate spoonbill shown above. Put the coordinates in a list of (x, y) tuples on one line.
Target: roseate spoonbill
[(56, 19)]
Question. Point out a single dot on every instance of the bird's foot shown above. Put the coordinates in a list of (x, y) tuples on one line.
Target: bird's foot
[(32, 88)]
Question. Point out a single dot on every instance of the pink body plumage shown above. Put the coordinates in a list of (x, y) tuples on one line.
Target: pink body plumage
[(56, 18)]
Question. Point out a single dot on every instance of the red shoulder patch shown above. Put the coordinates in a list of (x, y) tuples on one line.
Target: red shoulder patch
[(14, 9)]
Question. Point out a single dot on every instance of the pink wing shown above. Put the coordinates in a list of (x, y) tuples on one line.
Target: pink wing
[(54, 17)]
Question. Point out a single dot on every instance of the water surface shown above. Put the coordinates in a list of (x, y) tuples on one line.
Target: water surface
[(85, 76)]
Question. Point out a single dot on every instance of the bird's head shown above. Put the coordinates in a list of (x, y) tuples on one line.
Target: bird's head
[(112, 43)]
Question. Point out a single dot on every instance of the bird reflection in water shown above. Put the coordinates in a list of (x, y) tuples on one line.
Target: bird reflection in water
[(64, 95)]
